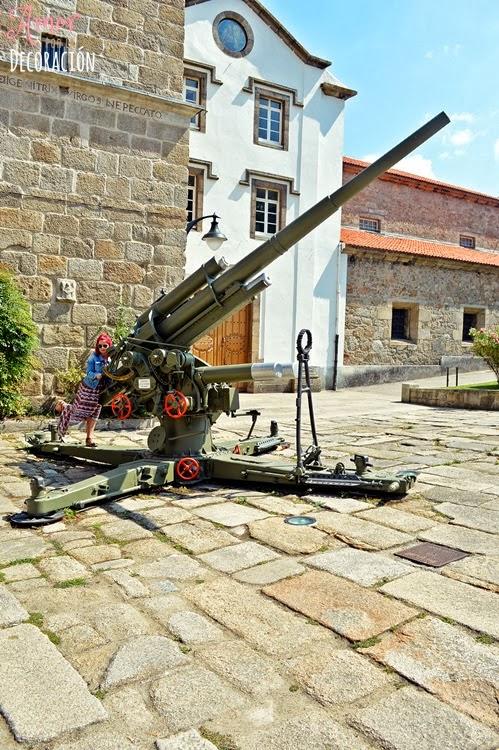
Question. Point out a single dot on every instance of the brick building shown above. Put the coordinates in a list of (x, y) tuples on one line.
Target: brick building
[(423, 268), (93, 162)]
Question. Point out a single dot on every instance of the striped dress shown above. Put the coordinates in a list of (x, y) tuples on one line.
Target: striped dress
[(85, 406)]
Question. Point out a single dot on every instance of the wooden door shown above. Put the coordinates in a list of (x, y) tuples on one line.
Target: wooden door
[(229, 343)]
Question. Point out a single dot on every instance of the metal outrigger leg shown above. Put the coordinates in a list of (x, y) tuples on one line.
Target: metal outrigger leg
[(310, 457)]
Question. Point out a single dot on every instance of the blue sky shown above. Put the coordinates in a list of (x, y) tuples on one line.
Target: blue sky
[(408, 60)]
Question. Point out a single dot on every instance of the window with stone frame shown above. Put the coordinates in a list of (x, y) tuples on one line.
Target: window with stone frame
[(369, 224), (271, 120), (467, 240), (405, 320), (195, 186), (268, 207), (195, 93), (473, 317), (54, 52)]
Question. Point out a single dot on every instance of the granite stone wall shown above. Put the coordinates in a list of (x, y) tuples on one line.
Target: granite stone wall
[(405, 210), (93, 173), (436, 296)]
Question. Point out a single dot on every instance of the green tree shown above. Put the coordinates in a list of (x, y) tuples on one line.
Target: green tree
[(486, 345), (18, 342)]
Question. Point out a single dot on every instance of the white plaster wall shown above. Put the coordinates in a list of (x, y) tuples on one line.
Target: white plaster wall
[(304, 289)]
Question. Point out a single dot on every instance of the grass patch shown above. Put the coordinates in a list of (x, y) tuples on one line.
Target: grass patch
[(294, 688), (2, 578), (185, 649), (69, 515), (58, 548), (448, 620), (491, 385), (21, 561), (53, 637), (484, 638), (367, 643), (36, 618), (221, 741), (70, 583), (100, 694)]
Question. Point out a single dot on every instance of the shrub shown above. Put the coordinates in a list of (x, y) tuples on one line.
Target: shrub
[(486, 345), (125, 320), (18, 341)]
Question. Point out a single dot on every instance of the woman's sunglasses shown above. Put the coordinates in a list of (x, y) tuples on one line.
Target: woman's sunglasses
[(103, 346)]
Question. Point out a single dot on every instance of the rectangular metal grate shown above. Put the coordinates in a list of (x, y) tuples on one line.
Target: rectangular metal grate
[(431, 554)]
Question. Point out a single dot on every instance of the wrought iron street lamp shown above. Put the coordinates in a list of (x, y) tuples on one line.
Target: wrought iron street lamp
[(214, 238)]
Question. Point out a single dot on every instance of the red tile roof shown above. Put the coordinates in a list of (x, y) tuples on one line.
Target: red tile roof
[(409, 246), (444, 187)]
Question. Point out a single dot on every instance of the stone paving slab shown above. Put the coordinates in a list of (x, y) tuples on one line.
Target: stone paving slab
[(193, 628), (466, 604), (479, 570), (340, 504), (21, 548), (11, 611), (20, 572), (360, 533), (165, 516), (294, 540), (190, 740), (396, 519), (177, 697), (41, 695), (199, 536), (246, 669), (410, 719), (270, 572), (458, 537), (179, 567), (142, 657), (452, 495), (481, 518), (125, 530), (337, 676), (244, 555), (161, 607), (62, 568), (130, 585), (350, 610), (312, 729), (447, 662), (261, 622), (230, 514), (275, 504), (96, 554), (366, 568)]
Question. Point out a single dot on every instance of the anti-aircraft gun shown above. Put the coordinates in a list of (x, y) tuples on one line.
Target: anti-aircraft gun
[(154, 370)]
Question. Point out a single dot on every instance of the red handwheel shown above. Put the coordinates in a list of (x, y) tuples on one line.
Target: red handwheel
[(175, 404), (188, 469), (121, 406)]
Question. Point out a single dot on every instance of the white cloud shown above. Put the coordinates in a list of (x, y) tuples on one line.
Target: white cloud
[(463, 117), (444, 155), (428, 55), (461, 137), (496, 150), (416, 164), (452, 49), (370, 157)]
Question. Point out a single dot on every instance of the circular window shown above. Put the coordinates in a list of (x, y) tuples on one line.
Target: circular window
[(233, 34)]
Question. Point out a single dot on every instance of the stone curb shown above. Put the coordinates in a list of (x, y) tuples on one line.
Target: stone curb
[(461, 398)]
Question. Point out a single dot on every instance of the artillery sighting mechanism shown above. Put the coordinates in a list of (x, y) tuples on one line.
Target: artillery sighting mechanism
[(154, 370)]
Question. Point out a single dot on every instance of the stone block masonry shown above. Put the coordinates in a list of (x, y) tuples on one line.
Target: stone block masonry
[(93, 173)]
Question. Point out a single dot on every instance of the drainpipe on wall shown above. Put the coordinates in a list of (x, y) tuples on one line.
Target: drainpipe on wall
[(341, 247)]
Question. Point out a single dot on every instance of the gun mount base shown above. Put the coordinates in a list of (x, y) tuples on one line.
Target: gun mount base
[(241, 462)]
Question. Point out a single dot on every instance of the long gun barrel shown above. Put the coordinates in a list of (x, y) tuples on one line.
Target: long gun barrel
[(231, 289)]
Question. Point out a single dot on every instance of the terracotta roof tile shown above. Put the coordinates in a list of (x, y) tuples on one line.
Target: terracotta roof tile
[(409, 246), (350, 161)]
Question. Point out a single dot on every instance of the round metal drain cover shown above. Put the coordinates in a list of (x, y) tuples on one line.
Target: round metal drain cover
[(300, 520)]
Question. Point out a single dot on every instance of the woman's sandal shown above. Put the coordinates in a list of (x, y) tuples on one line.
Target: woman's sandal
[(90, 443)]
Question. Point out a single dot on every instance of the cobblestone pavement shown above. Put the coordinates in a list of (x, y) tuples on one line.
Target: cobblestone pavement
[(196, 619)]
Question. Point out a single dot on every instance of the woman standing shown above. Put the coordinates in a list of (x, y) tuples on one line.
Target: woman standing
[(85, 406)]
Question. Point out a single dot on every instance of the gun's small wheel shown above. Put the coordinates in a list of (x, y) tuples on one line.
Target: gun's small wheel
[(188, 469), (121, 406), (175, 404)]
